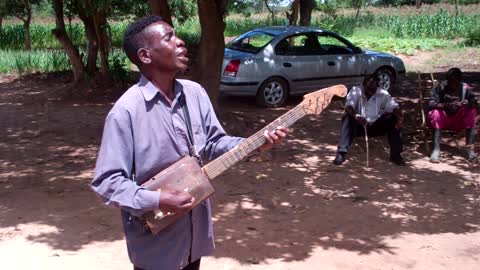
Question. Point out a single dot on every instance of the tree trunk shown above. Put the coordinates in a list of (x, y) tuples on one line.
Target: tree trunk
[(26, 25), (1, 22), (96, 13), (100, 23), (161, 8), (212, 46), (357, 12), (28, 43), (306, 7), (61, 34), (418, 3), (92, 47), (272, 12), (456, 8), (293, 15)]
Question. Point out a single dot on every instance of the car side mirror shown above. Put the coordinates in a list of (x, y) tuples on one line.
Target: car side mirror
[(357, 50)]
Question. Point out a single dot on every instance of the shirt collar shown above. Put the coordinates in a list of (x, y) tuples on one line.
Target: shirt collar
[(150, 91), (379, 89)]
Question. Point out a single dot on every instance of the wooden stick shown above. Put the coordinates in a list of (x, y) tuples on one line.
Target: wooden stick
[(366, 144), (422, 112), (420, 90)]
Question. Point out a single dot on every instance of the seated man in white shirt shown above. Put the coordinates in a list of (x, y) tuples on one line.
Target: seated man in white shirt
[(373, 107)]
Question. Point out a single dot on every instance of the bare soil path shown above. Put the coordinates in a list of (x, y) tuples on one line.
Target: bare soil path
[(290, 209)]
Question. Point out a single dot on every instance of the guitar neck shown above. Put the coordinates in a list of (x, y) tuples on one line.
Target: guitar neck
[(227, 160)]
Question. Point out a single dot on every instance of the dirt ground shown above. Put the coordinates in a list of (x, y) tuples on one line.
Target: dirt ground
[(289, 209)]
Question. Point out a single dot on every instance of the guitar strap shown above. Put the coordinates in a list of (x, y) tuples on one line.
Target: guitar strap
[(192, 148)]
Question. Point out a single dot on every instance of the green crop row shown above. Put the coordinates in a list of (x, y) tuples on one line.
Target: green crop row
[(441, 25)]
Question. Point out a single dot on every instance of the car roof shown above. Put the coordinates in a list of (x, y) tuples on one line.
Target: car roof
[(287, 29)]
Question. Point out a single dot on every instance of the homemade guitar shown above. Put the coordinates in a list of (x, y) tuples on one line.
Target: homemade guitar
[(187, 175)]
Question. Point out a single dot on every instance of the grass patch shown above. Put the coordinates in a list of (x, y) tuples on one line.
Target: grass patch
[(36, 60), (23, 62), (400, 34), (380, 40), (441, 25)]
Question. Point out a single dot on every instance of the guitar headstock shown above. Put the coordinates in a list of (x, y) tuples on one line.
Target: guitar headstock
[(315, 102)]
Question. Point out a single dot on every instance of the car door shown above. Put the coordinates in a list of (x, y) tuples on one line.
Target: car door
[(340, 61), (298, 61)]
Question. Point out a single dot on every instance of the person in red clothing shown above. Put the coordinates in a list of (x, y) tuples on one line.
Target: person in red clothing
[(453, 107)]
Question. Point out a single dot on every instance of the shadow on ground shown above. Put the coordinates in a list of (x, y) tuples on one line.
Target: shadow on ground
[(277, 206)]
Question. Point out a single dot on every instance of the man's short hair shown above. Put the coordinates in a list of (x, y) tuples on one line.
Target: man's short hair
[(454, 73), (369, 77), (134, 39)]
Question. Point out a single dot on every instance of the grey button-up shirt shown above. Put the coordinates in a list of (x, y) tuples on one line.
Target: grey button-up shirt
[(144, 134), (379, 103)]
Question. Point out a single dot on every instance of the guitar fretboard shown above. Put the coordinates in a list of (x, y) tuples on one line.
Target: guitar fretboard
[(227, 160)]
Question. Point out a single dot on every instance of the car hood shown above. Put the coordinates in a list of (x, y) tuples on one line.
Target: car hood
[(374, 53), (234, 54)]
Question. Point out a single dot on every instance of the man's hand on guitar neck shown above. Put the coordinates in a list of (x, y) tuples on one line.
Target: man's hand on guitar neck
[(273, 138), (175, 201)]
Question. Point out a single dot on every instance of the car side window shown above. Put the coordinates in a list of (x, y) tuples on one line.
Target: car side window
[(251, 42), (302, 44), (332, 45)]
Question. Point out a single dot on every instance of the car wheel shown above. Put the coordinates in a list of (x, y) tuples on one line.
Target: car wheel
[(385, 79), (272, 93)]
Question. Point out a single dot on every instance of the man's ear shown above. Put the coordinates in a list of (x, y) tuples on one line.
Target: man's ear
[(144, 56)]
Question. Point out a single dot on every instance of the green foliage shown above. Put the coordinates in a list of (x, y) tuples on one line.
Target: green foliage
[(392, 33), (473, 37), (188, 31), (182, 10), (12, 36), (439, 25), (343, 25), (237, 26), (329, 8), (36, 60), (393, 3), (43, 9), (119, 65), (117, 30), (246, 7), (129, 9), (399, 45), (356, 3), (18, 9)]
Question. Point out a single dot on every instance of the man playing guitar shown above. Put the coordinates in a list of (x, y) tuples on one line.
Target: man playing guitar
[(144, 133)]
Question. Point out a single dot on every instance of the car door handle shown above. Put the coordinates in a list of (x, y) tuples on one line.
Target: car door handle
[(286, 64), (331, 63)]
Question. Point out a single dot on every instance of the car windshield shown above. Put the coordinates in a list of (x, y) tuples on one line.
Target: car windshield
[(251, 42)]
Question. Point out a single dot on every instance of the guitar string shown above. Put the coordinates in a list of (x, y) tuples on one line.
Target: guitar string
[(233, 157), (287, 119), (255, 140)]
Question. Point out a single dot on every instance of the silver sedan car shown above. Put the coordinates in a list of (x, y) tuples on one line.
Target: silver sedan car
[(272, 63)]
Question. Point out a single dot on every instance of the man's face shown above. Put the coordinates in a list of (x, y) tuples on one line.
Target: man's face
[(453, 82), (371, 85), (164, 50)]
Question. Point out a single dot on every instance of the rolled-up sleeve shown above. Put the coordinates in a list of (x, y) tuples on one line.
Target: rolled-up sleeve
[(113, 172), (391, 104), (352, 98)]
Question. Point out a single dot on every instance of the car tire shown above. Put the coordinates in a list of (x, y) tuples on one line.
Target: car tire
[(386, 79), (272, 93)]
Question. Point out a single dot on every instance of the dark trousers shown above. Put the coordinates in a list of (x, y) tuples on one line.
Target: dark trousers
[(192, 266), (385, 124)]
